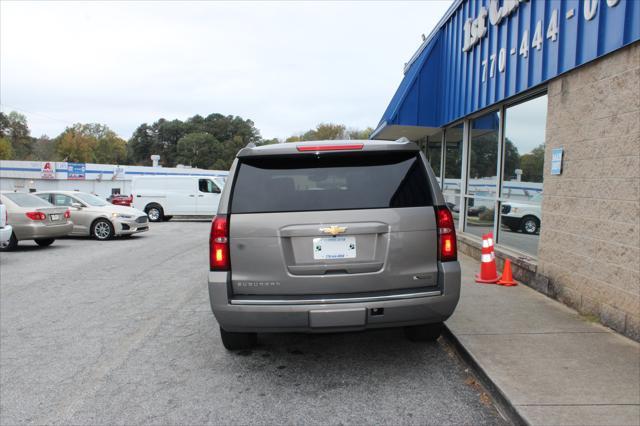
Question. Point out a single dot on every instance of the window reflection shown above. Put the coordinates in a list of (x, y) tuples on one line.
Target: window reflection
[(480, 216), (483, 155), (453, 169), (520, 211), (434, 153), (524, 149)]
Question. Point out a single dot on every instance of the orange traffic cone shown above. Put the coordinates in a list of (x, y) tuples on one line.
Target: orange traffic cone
[(507, 278), (488, 273)]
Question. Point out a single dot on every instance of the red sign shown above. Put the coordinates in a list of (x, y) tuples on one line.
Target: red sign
[(48, 170)]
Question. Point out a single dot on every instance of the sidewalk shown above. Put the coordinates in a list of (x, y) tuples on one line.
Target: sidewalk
[(551, 365)]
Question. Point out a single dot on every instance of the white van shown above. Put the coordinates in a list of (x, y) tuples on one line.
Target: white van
[(163, 197)]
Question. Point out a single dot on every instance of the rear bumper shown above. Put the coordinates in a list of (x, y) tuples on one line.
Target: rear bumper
[(39, 230), (5, 235), (333, 317)]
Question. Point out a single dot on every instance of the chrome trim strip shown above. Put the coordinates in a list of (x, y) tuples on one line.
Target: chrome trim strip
[(334, 300)]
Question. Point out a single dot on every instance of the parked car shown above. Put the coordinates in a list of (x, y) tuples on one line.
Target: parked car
[(35, 219), (120, 200), (5, 229), (93, 216), (523, 216), (332, 236), (163, 197)]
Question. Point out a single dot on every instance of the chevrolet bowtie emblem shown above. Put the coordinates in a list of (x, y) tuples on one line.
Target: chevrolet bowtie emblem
[(333, 230)]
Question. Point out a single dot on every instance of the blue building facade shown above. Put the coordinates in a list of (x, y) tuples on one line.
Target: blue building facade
[(528, 112), (485, 51)]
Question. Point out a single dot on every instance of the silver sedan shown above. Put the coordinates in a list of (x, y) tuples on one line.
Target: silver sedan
[(95, 217), (34, 219)]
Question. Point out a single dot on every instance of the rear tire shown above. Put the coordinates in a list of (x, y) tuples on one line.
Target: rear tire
[(236, 341), (102, 230), (13, 243), (424, 333), (154, 213), (44, 242)]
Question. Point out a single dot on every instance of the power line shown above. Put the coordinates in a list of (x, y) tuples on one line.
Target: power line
[(5, 106)]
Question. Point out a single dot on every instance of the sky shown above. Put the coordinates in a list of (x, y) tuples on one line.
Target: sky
[(285, 65)]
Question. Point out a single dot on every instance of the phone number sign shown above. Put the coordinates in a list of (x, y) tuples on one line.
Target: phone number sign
[(475, 29)]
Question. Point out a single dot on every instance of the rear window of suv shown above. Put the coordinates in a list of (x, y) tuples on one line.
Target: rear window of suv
[(331, 181)]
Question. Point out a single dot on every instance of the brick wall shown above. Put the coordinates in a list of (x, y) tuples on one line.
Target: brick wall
[(590, 235)]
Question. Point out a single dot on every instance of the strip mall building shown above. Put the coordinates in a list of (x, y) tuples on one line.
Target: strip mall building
[(529, 113), (100, 179)]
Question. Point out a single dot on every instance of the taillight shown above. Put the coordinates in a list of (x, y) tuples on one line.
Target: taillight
[(447, 249), (219, 244), (343, 147), (67, 214), (36, 215)]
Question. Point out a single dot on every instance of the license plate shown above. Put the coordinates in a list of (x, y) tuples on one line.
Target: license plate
[(55, 217), (334, 248)]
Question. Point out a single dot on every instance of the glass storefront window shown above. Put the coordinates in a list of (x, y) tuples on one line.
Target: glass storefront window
[(453, 169), (481, 178), (521, 194), (483, 155), (434, 153), (480, 216), (524, 130)]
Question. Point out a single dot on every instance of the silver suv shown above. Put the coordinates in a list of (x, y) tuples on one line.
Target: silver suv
[(332, 236)]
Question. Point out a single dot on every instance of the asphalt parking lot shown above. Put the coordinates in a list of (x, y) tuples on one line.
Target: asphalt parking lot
[(121, 332)]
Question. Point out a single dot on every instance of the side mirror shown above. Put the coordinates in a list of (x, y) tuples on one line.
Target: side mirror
[(216, 190), (77, 205)]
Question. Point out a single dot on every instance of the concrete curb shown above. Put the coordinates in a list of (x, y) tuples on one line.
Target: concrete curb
[(504, 404)]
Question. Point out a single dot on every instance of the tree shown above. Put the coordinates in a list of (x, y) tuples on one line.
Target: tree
[(14, 127), (511, 159), (140, 146), (532, 165), (294, 138), (74, 145), (162, 137), (226, 128), (110, 149), (91, 143), (330, 131), (227, 153), (197, 149), (17, 127), (6, 151), (359, 134), (484, 156), (4, 125), (44, 149), (166, 144)]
